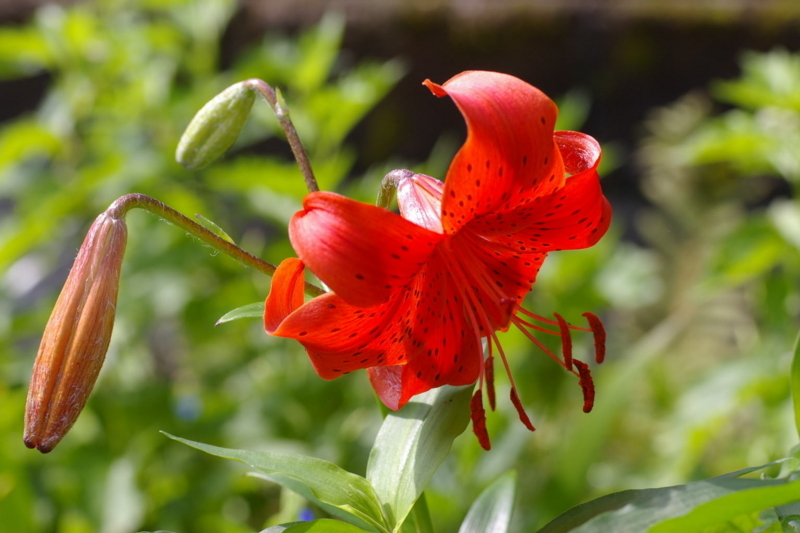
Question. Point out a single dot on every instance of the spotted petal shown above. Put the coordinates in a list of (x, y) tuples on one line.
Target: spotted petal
[(509, 157), (362, 252), (575, 216)]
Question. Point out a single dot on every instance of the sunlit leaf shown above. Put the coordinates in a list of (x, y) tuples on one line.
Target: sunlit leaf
[(491, 512), (22, 51), (324, 526), (314, 526), (681, 508), (732, 505), (411, 445), (338, 492), (211, 226), (253, 310), (752, 249), (795, 379), (318, 50)]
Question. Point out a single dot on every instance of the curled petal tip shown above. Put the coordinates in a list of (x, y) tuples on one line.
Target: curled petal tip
[(435, 88), (285, 295), (76, 337)]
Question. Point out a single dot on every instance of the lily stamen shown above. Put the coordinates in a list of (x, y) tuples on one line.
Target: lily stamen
[(587, 385), (488, 369), (599, 333), (536, 327), (566, 341), (551, 322), (523, 416), (517, 322)]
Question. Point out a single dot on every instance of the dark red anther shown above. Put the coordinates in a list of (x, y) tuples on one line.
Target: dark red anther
[(523, 416), (488, 370), (478, 416), (599, 333), (586, 383), (566, 341)]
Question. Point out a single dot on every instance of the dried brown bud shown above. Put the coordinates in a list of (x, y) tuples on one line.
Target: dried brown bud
[(76, 337)]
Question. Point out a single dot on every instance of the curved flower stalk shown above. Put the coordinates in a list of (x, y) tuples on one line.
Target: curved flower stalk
[(78, 333), (414, 296)]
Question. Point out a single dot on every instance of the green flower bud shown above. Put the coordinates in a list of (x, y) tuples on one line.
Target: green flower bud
[(215, 127)]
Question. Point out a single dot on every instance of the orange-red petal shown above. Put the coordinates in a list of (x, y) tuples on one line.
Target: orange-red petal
[(575, 216), (340, 337), (285, 294), (509, 156), (362, 252)]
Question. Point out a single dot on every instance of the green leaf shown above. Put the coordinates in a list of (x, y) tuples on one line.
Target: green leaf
[(338, 492), (324, 526), (213, 228), (795, 380), (253, 310), (316, 526), (411, 445), (491, 512), (318, 50), (689, 507), (730, 506), (749, 251), (279, 528), (23, 51)]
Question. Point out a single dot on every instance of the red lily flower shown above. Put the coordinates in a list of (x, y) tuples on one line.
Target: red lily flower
[(413, 296)]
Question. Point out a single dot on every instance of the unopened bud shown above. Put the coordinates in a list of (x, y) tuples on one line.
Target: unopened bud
[(76, 337), (215, 127)]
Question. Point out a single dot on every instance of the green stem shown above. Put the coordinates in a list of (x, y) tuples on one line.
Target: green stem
[(300, 155), (123, 204), (795, 383), (389, 186), (422, 516)]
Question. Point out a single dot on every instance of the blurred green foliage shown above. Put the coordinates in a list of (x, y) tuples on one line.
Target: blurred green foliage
[(125, 81), (701, 311)]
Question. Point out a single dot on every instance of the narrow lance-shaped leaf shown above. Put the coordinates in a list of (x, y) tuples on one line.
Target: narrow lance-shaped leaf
[(315, 526), (796, 383), (211, 226), (411, 445), (689, 507), (338, 492), (730, 506), (253, 310), (491, 512)]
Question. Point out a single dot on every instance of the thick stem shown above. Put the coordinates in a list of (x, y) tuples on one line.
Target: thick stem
[(288, 128), (422, 516), (123, 204), (389, 186)]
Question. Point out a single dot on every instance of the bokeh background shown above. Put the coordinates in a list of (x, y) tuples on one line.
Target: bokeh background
[(696, 103)]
